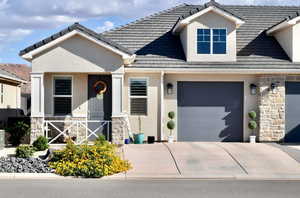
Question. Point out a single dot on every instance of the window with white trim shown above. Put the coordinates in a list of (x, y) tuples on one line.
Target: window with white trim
[(138, 96), (62, 96), (211, 41), (2, 93)]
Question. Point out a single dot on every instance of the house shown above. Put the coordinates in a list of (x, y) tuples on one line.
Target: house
[(211, 64), (10, 96), (22, 71)]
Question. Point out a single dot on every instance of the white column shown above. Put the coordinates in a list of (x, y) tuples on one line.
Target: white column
[(117, 93), (37, 94), (162, 109)]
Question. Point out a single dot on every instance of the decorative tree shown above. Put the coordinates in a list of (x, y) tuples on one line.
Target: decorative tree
[(252, 125), (171, 123)]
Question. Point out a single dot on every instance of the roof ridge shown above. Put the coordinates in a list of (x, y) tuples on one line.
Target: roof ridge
[(145, 18)]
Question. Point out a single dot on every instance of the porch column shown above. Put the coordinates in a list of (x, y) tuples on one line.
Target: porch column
[(118, 119), (37, 105)]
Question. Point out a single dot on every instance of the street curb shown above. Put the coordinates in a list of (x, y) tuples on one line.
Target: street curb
[(30, 176)]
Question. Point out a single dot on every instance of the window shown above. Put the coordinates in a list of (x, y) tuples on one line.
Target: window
[(138, 96), (211, 41), (2, 94), (62, 95)]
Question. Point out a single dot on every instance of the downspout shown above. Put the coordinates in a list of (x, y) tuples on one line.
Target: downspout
[(162, 105)]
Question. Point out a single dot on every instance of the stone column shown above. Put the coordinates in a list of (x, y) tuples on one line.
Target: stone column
[(37, 105), (271, 108), (118, 120), (2, 139)]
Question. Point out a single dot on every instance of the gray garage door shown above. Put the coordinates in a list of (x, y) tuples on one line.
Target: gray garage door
[(210, 111), (292, 112)]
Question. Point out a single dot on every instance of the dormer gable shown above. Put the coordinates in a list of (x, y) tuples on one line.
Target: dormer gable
[(208, 34)]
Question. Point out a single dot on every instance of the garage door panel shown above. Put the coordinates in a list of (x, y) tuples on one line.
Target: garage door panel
[(209, 111), (292, 112)]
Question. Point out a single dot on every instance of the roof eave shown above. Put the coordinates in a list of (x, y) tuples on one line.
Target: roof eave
[(283, 25), (184, 22)]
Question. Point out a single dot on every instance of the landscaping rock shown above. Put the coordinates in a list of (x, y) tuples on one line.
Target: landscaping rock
[(20, 165)]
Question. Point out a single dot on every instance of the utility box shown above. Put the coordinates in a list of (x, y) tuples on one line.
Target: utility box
[(2, 139)]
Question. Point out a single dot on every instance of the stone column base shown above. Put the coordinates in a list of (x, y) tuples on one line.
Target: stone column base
[(36, 128), (2, 139), (119, 129)]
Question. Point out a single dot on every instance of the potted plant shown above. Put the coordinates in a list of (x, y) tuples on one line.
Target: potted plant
[(252, 125), (171, 126), (139, 137)]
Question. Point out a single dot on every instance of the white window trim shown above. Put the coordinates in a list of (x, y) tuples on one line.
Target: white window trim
[(211, 41), (130, 96), (62, 96)]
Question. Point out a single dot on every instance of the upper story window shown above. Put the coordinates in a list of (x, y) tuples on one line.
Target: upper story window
[(138, 96), (211, 41), (62, 95)]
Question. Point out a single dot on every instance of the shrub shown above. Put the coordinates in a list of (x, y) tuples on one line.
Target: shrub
[(24, 151), (171, 125), (252, 125), (88, 160), (171, 114), (252, 115), (17, 132), (41, 143)]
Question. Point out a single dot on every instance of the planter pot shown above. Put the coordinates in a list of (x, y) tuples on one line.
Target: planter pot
[(139, 138), (252, 139), (170, 139)]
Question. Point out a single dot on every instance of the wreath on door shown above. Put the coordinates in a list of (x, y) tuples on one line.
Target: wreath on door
[(100, 87)]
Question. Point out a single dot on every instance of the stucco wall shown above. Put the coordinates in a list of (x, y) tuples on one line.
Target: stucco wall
[(285, 39), (170, 103), (80, 93), (76, 54), (12, 95), (150, 123), (209, 20)]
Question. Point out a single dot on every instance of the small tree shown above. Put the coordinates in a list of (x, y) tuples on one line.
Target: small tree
[(17, 132), (252, 125), (171, 123)]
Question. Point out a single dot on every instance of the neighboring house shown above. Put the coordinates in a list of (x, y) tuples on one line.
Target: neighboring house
[(23, 72), (10, 96), (211, 64)]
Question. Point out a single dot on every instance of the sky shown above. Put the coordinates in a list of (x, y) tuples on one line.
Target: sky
[(25, 22)]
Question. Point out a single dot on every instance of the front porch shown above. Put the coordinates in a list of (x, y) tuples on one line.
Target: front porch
[(77, 106)]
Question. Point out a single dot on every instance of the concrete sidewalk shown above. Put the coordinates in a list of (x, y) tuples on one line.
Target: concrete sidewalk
[(208, 160)]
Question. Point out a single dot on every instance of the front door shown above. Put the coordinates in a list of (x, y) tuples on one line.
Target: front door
[(99, 105)]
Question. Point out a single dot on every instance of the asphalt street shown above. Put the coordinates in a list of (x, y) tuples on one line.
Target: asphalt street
[(86, 188)]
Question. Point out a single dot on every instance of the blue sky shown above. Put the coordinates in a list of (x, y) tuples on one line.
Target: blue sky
[(24, 22)]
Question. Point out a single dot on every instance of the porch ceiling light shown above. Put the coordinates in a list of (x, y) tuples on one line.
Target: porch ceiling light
[(253, 89), (169, 88)]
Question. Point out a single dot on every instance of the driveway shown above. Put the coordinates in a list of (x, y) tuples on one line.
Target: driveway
[(210, 160)]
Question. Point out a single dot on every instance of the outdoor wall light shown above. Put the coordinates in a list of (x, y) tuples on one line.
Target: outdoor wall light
[(169, 88), (274, 85), (253, 89)]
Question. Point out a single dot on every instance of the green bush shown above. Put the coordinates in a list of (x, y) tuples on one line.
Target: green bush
[(252, 115), (252, 125), (24, 151), (17, 132), (171, 114), (41, 143), (90, 161), (171, 125)]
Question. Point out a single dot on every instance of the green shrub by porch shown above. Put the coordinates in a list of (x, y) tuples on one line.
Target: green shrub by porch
[(24, 151), (90, 161), (41, 143)]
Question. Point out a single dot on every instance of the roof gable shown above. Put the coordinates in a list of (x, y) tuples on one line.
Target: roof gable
[(75, 29), (287, 22), (211, 6)]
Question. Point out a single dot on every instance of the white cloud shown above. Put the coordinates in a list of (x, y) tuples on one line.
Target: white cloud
[(107, 25)]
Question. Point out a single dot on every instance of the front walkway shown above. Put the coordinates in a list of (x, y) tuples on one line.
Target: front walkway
[(210, 160)]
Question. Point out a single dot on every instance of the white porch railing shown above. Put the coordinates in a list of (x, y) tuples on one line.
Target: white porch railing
[(79, 131)]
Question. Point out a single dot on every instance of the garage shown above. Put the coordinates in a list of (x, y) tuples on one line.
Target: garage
[(210, 111), (292, 109)]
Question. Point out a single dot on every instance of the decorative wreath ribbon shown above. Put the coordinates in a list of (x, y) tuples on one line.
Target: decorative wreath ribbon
[(96, 88)]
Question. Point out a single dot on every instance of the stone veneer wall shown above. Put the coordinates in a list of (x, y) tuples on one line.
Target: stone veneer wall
[(271, 108), (2, 139), (36, 128)]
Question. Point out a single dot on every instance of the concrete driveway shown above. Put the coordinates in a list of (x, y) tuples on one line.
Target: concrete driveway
[(210, 160)]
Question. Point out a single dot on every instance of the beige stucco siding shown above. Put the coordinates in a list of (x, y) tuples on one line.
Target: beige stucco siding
[(209, 20), (150, 123), (170, 101), (285, 39), (11, 95), (79, 95), (76, 54)]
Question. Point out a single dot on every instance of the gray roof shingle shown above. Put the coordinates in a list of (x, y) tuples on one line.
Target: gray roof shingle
[(151, 39), (76, 26)]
